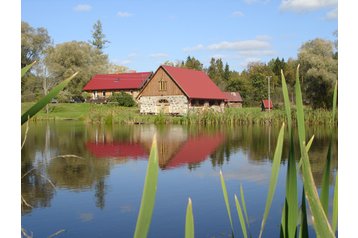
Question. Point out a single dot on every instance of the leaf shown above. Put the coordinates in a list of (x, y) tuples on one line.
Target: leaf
[(45, 100), (308, 147), (241, 217), (149, 193), (304, 226), (335, 207), (300, 113), (223, 186), (26, 68), (324, 196), (287, 102), (291, 193), (244, 205), (274, 176), (320, 221), (189, 221)]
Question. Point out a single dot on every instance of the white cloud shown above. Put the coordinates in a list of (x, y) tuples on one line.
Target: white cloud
[(159, 55), (124, 14), (237, 14), (82, 8), (195, 48), (332, 15), (306, 5), (244, 45)]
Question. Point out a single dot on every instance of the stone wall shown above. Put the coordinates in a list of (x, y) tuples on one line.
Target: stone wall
[(175, 105)]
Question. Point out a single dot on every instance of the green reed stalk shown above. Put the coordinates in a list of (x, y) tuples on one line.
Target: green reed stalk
[(324, 196), (321, 224), (335, 207), (149, 192), (223, 186), (241, 217), (45, 100), (189, 221), (303, 226), (274, 176), (26, 68), (244, 205)]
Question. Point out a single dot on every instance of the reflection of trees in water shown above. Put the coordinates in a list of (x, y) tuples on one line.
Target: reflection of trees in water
[(259, 143), (46, 141)]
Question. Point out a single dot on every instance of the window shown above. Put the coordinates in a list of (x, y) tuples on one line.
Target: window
[(163, 101), (162, 85), (104, 93)]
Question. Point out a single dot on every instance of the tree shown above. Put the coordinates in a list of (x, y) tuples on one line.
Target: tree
[(34, 42), (319, 71), (67, 58), (192, 63), (98, 37)]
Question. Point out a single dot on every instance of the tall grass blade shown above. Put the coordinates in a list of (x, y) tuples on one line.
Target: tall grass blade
[(149, 193), (189, 221), (244, 205), (324, 196), (45, 100), (291, 193), (241, 217), (304, 226), (308, 147), (274, 176), (335, 207), (223, 186), (320, 221), (284, 215), (287, 102), (26, 68), (300, 114)]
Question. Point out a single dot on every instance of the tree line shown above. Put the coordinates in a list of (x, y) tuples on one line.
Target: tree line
[(318, 59)]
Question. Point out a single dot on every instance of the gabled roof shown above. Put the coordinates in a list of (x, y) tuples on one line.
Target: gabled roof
[(267, 103), (233, 96), (196, 150), (117, 81), (195, 84)]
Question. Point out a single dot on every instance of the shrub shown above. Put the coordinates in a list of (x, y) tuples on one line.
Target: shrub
[(123, 99)]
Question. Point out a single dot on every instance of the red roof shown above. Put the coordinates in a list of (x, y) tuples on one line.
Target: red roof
[(233, 96), (267, 103), (117, 81), (117, 150), (195, 84), (196, 150)]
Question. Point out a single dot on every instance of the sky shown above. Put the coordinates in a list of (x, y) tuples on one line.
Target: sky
[(145, 34)]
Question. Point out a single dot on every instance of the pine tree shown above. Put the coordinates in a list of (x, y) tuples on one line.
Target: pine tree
[(98, 40)]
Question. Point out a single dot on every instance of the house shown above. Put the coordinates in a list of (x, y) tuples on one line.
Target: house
[(179, 91), (266, 104), (233, 99), (101, 86)]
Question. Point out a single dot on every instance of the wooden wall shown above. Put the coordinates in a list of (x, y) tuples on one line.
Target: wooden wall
[(152, 88)]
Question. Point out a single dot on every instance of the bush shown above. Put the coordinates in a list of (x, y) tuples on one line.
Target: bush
[(123, 99)]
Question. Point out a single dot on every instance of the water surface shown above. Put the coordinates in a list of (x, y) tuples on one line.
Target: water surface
[(98, 194)]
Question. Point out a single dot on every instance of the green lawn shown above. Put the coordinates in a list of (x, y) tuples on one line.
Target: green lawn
[(110, 113)]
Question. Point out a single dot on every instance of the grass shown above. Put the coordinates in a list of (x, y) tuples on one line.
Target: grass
[(110, 113)]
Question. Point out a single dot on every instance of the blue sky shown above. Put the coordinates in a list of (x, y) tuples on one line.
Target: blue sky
[(144, 34)]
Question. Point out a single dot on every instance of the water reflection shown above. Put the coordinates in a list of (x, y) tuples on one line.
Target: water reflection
[(104, 147)]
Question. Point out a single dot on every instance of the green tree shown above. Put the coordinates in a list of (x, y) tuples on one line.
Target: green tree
[(192, 63), (319, 71), (69, 57), (34, 42), (123, 99), (98, 37)]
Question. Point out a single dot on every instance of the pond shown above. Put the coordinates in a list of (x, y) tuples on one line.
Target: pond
[(97, 192)]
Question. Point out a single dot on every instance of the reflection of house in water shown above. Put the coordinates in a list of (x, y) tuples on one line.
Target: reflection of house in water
[(175, 146)]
